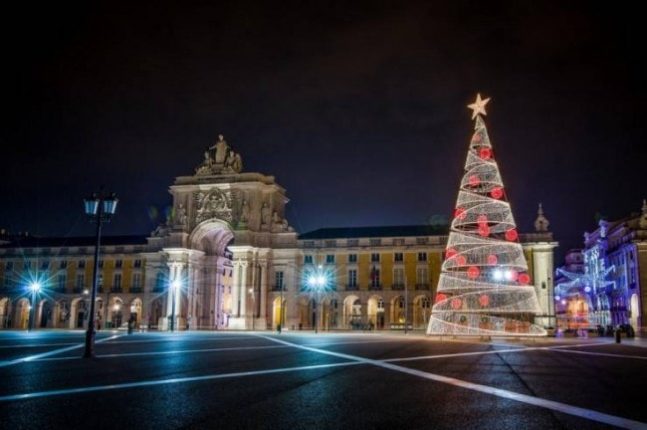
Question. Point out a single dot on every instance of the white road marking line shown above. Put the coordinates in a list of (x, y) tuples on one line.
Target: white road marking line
[(602, 354), (32, 345), (178, 351), (177, 339), (25, 396), (50, 353), (511, 395), (490, 351)]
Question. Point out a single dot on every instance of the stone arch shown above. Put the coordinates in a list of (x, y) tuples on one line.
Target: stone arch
[(352, 312), (5, 308), (307, 312), (116, 312), (156, 313), (421, 311), (397, 310), (21, 314), (136, 308), (278, 312), (212, 236), (45, 313), (78, 312), (375, 312), (331, 311)]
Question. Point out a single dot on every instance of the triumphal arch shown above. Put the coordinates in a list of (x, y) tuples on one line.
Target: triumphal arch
[(227, 227)]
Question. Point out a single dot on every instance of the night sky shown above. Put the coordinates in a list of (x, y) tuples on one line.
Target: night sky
[(357, 108)]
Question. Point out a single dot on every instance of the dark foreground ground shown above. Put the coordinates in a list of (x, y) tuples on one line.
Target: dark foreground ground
[(308, 381)]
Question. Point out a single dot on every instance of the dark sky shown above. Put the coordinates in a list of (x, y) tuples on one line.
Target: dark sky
[(357, 108)]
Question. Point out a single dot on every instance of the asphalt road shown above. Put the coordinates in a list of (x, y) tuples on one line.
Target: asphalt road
[(329, 380)]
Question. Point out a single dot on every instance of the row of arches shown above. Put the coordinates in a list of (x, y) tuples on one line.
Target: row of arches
[(67, 313), (353, 313)]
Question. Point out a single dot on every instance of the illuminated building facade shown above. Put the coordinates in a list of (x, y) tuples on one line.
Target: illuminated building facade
[(241, 266), (606, 289)]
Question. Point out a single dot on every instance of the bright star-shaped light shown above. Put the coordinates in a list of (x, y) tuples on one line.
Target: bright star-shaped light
[(478, 107)]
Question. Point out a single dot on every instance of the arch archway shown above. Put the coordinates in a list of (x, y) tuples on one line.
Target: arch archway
[(45, 314), (5, 306), (397, 310), (213, 237), (21, 314), (375, 312), (352, 312), (156, 313), (278, 312), (77, 314), (136, 310), (421, 311), (116, 312)]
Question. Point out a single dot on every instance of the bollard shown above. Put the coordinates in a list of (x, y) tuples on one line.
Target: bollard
[(617, 336)]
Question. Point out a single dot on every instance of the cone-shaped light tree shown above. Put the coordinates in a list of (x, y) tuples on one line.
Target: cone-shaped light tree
[(484, 287)]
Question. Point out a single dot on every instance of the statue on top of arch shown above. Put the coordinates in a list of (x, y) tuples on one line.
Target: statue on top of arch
[(220, 159)]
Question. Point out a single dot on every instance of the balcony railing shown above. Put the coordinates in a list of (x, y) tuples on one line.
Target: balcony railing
[(397, 287), (116, 290), (422, 287), (278, 287), (352, 287), (136, 290), (375, 287)]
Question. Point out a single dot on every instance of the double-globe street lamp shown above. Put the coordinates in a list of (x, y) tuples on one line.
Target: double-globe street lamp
[(317, 283), (34, 287), (100, 208)]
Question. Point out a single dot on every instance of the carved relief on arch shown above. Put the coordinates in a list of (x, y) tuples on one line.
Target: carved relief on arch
[(213, 204)]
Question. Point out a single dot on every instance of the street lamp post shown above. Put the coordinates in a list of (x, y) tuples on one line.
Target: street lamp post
[(34, 287), (175, 286), (317, 283), (100, 208)]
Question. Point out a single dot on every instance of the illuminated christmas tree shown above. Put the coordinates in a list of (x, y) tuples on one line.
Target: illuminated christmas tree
[(484, 286)]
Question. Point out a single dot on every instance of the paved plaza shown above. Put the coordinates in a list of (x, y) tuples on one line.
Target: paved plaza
[(302, 380)]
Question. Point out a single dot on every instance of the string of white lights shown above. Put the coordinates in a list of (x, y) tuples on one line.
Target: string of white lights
[(484, 287)]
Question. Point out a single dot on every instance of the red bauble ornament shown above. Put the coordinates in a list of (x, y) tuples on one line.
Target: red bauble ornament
[(473, 272), (450, 252), (461, 260), (482, 219), (460, 213), (484, 300), (492, 259), (496, 193), (484, 230), (485, 153), (474, 181), (440, 297), (456, 303), (511, 235), (524, 278)]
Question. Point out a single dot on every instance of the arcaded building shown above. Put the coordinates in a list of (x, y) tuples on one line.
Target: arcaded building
[(240, 265)]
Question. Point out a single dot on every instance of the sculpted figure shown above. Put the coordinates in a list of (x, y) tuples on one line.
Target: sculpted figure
[(265, 214), (181, 214), (244, 215), (222, 150)]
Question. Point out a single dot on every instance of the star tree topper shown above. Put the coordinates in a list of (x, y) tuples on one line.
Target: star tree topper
[(478, 106)]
